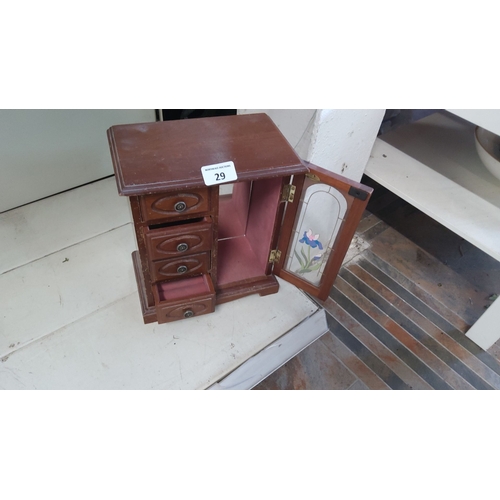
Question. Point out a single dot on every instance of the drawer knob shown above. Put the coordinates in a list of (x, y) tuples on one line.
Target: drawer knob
[(180, 206), (182, 269), (182, 247), (188, 313)]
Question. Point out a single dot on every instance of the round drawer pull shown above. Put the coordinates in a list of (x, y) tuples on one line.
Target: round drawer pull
[(180, 206), (182, 247), (188, 313), (182, 269)]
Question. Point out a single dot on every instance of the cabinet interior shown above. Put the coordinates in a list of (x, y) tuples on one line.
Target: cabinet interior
[(234, 204), (181, 289), (247, 213)]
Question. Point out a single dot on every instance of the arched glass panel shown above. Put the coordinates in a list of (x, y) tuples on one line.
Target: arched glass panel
[(322, 212)]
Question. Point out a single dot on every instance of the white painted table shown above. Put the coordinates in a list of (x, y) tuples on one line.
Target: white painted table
[(433, 165), (70, 316)]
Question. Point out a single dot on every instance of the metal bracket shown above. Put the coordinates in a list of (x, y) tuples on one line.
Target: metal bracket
[(358, 193), (274, 256), (313, 177), (288, 192)]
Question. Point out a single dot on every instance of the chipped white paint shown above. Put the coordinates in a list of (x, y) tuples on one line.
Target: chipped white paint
[(343, 138), (49, 293), (338, 140), (112, 349), (39, 229)]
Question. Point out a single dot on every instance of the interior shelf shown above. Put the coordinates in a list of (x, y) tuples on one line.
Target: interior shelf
[(433, 164)]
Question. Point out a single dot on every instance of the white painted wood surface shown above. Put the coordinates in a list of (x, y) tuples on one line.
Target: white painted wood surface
[(486, 331), (338, 140), (434, 166), (41, 228), (71, 318), (342, 140), (447, 181), (45, 295)]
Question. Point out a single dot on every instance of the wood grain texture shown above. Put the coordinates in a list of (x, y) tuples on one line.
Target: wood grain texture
[(166, 156), (181, 266), (163, 205), (179, 240)]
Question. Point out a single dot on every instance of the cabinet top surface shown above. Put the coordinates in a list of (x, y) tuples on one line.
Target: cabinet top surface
[(162, 156)]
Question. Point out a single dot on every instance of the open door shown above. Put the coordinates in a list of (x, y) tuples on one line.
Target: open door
[(318, 228)]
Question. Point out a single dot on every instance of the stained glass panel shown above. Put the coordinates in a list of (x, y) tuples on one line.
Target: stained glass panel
[(321, 214)]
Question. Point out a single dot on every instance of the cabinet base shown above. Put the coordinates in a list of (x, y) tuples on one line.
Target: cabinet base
[(265, 285)]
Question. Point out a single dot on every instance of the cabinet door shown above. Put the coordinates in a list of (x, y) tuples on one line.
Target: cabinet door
[(318, 228)]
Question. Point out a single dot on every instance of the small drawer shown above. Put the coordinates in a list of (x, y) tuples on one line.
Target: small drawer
[(176, 241), (178, 204), (180, 267), (183, 299)]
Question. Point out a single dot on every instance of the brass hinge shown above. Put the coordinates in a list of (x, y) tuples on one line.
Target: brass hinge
[(274, 256), (288, 192), (312, 176)]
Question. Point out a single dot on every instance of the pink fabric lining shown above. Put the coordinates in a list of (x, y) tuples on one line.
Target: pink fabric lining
[(237, 261), (266, 196), (247, 256), (189, 287), (233, 211)]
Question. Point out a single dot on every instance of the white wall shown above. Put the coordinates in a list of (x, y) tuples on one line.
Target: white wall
[(339, 140), (485, 118), (43, 152)]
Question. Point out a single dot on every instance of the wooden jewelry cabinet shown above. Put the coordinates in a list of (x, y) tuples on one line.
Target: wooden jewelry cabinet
[(202, 241)]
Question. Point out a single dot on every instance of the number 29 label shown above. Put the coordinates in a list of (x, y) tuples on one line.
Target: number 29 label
[(219, 173)]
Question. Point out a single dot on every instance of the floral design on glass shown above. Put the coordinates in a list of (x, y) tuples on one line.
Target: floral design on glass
[(307, 262)]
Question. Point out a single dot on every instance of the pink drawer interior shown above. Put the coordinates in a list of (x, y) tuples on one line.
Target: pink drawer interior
[(186, 288)]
